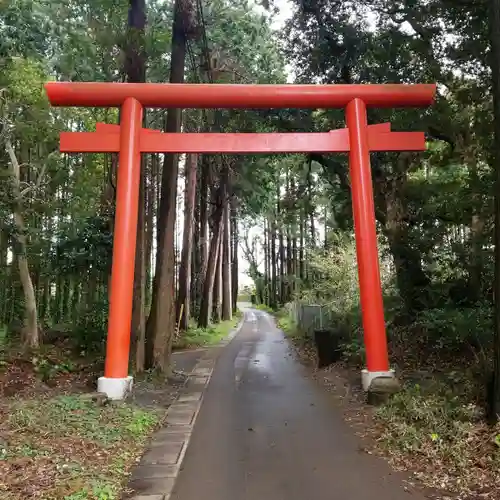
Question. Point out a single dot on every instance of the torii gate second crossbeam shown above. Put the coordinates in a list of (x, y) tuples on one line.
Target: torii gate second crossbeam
[(130, 140), (106, 139)]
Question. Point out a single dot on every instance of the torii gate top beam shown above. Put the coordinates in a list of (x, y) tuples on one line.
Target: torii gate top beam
[(170, 95)]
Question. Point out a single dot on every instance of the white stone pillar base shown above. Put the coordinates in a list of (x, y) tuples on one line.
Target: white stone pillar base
[(115, 388), (367, 378)]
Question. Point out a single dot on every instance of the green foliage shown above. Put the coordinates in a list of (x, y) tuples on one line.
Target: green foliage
[(91, 327), (238, 30), (97, 491), (90, 248), (197, 337), (353, 347), (338, 285), (24, 29), (449, 329)]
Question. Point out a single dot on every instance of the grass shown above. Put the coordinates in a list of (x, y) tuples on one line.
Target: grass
[(287, 325), (283, 321), (200, 337), (70, 447), (264, 307)]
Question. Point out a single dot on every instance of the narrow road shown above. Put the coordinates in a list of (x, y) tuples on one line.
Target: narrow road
[(267, 432)]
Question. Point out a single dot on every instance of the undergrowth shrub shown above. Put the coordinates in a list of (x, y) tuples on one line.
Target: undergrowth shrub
[(287, 325), (333, 284), (90, 331), (451, 328), (334, 280), (437, 425), (434, 341)]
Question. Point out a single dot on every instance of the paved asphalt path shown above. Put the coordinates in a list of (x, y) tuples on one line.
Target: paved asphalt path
[(267, 432)]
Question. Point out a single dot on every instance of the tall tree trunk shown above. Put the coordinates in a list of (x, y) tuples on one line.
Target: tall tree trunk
[(234, 255), (135, 72), (266, 262), (135, 49), (301, 247), (10, 313), (138, 326), (58, 314), (76, 294), (281, 248), (161, 320), (282, 266), (274, 273), (154, 174), (45, 298), (66, 297), (184, 299), (325, 242), (204, 237), (289, 264), (209, 280), (196, 258), (217, 292), (227, 300), (4, 290), (494, 397), (310, 207), (289, 218), (295, 266), (30, 334)]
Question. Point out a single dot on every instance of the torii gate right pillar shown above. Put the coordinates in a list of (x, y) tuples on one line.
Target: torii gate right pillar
[(377, 377)]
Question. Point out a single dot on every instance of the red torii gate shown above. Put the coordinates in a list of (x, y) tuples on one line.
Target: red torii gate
[(129, 139)]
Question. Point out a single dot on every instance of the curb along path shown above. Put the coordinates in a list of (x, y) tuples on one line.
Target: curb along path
[(154, 477)]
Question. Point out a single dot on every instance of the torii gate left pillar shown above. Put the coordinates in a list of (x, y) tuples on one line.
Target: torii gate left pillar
[(130, 140), (117, 382)]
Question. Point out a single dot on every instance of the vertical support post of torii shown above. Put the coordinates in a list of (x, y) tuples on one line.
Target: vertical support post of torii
[(116, 381), (372, 307)]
